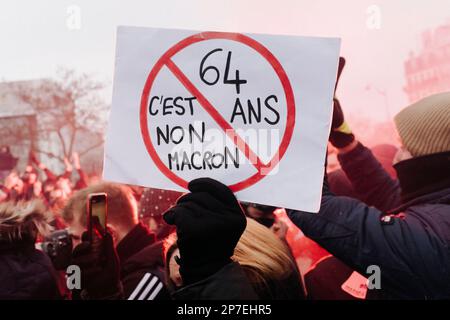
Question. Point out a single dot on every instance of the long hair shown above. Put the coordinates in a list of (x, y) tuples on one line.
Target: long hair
[(23, 220), (265, 259)]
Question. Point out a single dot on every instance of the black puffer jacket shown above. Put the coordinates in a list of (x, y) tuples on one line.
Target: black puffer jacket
[(26, 273), (229, 283)]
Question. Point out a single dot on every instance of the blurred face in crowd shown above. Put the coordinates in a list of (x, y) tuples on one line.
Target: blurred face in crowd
[(402, 152), (30, 176), (63, 184), (76, 230), (94, 179), (37, 188), (154, 223), (47, 190), (3, 195), (48, 187), (174, 269), (18, 186), (55, 194), (265, 218), (14, 182), (11, 180), (269, 220)]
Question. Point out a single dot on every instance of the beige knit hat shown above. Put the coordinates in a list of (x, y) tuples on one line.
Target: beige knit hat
[(424, 126)]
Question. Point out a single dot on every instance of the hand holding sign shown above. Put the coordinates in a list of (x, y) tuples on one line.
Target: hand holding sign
[(223, 105), (209, 218), (341, 135)]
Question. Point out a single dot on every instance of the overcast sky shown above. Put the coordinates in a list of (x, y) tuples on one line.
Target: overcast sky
[(38, 36)]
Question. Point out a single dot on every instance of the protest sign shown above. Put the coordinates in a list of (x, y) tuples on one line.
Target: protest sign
[(252, 111)]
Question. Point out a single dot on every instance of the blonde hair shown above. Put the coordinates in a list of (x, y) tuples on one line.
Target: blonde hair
[(263, 256), (23, 219)]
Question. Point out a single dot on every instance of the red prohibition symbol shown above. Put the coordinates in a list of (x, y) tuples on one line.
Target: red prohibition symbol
[(166, 60)]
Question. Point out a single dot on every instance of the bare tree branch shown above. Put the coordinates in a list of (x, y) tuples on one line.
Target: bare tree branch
[(94, 146), (49, 154), (66, 107)]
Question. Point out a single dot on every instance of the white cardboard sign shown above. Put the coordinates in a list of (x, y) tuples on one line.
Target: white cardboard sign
[(252, 111)]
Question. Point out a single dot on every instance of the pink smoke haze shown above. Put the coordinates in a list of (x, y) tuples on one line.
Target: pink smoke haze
[(378, 37)]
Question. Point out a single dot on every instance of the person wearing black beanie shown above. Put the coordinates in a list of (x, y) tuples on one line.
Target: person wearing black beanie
[(209, 222)]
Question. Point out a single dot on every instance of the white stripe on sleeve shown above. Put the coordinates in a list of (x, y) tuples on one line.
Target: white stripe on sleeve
[(148, 288), (139, 286), (156, 291)]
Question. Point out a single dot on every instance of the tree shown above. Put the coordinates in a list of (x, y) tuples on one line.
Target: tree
[(68, 109)]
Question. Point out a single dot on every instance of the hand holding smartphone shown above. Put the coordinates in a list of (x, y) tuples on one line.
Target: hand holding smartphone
[(97, 209)]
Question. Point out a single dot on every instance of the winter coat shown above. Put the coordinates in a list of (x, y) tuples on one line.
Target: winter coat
[(26, 273), (229, 283), (142, 266), (410, 245)]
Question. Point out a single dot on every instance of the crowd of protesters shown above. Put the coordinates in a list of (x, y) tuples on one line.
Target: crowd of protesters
[(384, 207), (53, 189)]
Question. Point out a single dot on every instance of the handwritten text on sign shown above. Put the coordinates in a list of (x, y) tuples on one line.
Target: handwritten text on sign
[(251, 111), (244, 112)]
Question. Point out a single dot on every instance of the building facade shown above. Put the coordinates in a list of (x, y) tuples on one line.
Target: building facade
[(428, 70), (22, 130)]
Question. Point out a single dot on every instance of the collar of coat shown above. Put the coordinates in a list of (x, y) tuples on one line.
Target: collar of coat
[(438, 197), (137, 239), (423, 176)]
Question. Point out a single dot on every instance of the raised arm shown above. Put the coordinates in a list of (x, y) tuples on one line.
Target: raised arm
[(50, 175), (82, 180), (68, 172), (369, 179), (361, 236)]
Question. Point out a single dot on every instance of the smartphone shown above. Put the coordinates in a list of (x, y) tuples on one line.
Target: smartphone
[(97, 209)]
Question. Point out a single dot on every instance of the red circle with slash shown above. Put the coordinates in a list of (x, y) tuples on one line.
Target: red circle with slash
[(165, 60)]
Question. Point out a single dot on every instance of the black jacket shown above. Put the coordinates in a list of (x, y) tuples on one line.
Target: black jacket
[(142, 266), (411, 246), (229, 283), (26, 273), (330, 279), (288, 288)]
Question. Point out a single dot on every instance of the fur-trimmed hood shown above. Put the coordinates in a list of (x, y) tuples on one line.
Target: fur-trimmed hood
[(19, 220)]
